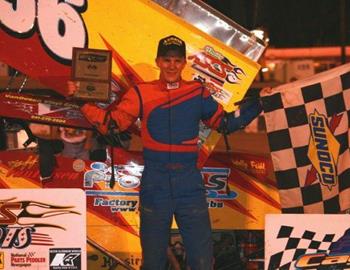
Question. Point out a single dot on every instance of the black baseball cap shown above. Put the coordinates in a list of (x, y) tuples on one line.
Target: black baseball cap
[(171, 45)]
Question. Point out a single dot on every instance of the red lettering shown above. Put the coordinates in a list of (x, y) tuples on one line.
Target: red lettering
[(6, 216)]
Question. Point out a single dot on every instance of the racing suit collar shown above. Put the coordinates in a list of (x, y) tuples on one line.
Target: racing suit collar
[(166, 86)]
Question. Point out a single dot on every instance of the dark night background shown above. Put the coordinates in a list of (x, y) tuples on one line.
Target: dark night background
[(292, 23)]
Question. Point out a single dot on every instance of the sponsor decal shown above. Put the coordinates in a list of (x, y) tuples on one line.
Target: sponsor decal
[(21, 221), (116, 205), (216, 183), (216, 66), (48, 119), (42, 110), (108, 262), (134, 260), (256, 166), (65, 258), (323, 150), (45, 106), (78, 165), (215, 70), (22, 165), (28, 259), (127, 176), (338, 256), (241, 164), (259, 166), (215, 204), (323, 261)]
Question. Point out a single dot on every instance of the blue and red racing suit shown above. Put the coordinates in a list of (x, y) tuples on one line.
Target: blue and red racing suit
[(171, 183)]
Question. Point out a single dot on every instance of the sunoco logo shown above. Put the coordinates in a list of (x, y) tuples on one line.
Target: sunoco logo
[(323, 150)]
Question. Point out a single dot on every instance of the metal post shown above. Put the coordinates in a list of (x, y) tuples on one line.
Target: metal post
[(342, 18)]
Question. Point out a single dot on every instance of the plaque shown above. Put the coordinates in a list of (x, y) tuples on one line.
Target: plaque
[(92, 68)]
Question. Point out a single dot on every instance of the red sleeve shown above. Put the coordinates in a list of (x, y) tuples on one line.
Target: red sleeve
[(96, 116), (125, 113), (212, 111), (215, 120), (127, 110)]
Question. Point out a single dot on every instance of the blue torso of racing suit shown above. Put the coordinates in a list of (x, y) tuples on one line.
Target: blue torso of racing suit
[(170, 120), (171, 184)]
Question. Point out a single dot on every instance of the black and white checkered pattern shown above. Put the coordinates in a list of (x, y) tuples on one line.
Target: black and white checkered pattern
[(286, 114), (296, 244)]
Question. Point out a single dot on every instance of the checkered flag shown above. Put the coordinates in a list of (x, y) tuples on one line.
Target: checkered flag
[(297, 244), (307, 123)]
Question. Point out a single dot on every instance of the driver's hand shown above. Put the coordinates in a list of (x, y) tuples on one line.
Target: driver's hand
[(265, 91), (72, 87)]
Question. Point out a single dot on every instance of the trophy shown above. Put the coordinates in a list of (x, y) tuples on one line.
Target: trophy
[(92, 68)]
